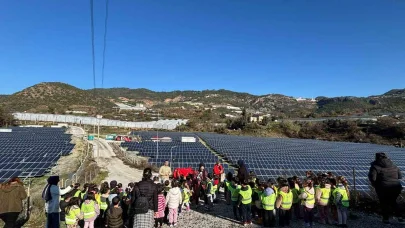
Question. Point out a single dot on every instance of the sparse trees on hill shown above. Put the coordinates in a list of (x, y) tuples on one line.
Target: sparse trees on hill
[(6, 118)]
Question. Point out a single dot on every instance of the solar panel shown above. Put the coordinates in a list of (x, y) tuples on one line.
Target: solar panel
[(30, 152), (274, 157)]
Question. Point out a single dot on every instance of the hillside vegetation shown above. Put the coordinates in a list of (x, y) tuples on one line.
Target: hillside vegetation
[(55, 97)]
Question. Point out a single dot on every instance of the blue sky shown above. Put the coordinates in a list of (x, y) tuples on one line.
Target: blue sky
[(297, 48)]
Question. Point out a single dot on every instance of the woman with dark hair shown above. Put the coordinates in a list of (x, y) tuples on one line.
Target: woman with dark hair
[(385, 178), (145, 189), (199, 176), (51, 194), (243, 173), (11, 195)]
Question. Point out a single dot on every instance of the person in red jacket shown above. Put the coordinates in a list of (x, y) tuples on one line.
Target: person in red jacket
[(218, 170)]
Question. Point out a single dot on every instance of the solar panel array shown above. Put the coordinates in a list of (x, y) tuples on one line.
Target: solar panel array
[(31, 152), (185, 154), (274, 157)]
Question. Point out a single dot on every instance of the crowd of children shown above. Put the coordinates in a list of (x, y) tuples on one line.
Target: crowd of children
[(263, 202), (285, 199)]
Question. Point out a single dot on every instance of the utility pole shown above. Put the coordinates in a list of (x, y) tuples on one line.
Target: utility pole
[(157, 142)]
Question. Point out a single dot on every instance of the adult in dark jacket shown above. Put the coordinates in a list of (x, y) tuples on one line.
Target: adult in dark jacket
[(11, 195), (148, 189), (243, 173), (385, 178), (199, 176)]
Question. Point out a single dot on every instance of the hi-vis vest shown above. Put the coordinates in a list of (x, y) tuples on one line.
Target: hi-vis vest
[(246, 195), (186, 196), (71, 217), (345, 197), (227, 183), (310, 198), (88, 210), (78, 194), (213, 188), (234, 192), (295, 193), (268, 201), (103, 204), (325, 195), (286, 202)]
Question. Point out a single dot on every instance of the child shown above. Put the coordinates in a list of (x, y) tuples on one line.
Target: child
[(186, 196), (104, 204), (296, 200), (165, 192), (284, 203), (333, 208), (268, 200), (173, 200), (161, 207), (342, 196), (62, 205), (233, 190), (114, 215), (322, 197), (245, 200), (73, 214), (209, 193), (90, 210), (227, 182), (308, 201)]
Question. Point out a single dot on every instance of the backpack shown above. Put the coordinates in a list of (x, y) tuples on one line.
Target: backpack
[(141, 205)]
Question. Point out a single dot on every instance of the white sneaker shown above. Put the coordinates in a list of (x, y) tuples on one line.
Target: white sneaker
[(171, 225), (175, 224)]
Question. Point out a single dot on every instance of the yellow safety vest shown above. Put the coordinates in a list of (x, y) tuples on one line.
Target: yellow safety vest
[(295, 193), (276, 189), (214, 189), (310, 198), (234, 192), (268, 201), (103, 204), (71, 217), (227, 183), (286, 202), (88, 210), (186, 196), (345, 197), (246, 195), (77, 193), (325, 195)]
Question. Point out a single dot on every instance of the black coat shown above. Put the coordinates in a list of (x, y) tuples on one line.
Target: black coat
[(148, 189), (114, 218), (384, 174)]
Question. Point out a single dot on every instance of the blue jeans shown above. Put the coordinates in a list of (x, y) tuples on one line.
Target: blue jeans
[(52, 220)]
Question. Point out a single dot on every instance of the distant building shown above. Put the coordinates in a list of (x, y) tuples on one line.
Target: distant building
[(230, 116), (76, 112), (256, 118), (137, 107)]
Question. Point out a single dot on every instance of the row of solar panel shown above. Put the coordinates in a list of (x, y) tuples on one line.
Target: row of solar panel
[(31, 152)]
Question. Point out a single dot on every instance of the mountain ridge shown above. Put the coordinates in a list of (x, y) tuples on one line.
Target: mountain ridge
[(59, 97)]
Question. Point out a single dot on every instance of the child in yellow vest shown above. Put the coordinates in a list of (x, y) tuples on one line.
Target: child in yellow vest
[(90, 210), (245, 200), (73, 213), (186, 196), (233, 190), (308, 201), (341, 196), (284, 203), (323, 197), (268, 201)]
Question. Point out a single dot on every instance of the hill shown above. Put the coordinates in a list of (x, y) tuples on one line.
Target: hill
[(54, 97)]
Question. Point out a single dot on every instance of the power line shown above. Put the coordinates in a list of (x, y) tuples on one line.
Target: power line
[(105, 42), (92, 43)]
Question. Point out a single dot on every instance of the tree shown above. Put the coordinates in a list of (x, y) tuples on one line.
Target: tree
[(6, 118)]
